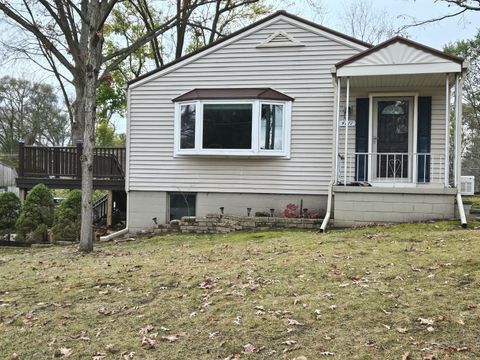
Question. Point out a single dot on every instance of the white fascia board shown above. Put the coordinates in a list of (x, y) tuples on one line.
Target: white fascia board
[(399, 69)]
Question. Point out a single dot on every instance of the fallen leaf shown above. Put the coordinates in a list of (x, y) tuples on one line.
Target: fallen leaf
[(406, 355), (63, 352), (146, 329), (327, 353), (99, 356), (402, 330), (424, 321), (249, 349), (172, 338), (294, 322), (148, 343), (430, 329)]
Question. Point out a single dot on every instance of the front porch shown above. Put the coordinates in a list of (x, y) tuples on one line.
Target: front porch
[(397, 145)]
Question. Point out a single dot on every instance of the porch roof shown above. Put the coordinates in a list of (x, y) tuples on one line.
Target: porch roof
[(399, 56)]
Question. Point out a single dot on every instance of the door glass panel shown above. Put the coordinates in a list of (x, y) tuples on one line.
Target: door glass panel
[(392, 138)]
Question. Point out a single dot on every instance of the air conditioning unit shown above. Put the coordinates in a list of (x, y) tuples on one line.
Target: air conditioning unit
[(468, 185)]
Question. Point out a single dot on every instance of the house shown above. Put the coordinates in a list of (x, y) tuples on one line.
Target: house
[(288, 111), (7, 179)]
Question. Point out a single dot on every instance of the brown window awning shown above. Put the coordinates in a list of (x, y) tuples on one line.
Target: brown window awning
[(233, 94)]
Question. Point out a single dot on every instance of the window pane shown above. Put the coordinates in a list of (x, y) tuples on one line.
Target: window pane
[(182, 205), (271, 134), (227, 126), (187, 126)]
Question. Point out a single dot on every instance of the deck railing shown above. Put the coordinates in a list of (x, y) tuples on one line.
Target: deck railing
[(392, 168), (64, 162)]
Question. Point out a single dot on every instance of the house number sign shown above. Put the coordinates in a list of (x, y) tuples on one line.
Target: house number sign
[(351, 123)]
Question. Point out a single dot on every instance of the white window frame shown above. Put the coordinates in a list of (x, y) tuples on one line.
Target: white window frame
[(256, 130)]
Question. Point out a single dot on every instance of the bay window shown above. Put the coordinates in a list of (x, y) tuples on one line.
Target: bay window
[(233, 127)]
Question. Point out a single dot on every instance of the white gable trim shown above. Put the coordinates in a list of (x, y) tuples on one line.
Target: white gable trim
[(241, 35)]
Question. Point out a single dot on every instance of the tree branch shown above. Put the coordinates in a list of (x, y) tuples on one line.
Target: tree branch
[(35, 30)]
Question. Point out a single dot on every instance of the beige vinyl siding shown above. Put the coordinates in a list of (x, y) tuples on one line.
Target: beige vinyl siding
[(302, 72)]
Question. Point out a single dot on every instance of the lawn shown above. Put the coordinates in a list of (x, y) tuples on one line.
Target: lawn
[(406, 291)]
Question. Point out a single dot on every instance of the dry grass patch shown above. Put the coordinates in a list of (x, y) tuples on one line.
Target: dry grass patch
[(376, 293)]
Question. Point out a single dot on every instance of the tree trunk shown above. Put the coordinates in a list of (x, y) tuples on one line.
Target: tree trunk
[(86, 230), (92, 69), (78, 106)]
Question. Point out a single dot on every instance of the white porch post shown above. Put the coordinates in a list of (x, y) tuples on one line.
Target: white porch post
[(347, 104), (447, 131), (458, 132), (337, 127)]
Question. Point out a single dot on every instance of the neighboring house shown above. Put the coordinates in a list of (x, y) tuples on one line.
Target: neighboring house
[(257, 120), (7, 179)]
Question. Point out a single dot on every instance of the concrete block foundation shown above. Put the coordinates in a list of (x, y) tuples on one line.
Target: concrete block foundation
[(357, 206), (143, 206)]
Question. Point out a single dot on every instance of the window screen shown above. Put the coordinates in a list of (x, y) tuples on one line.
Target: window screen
[(271, 133)]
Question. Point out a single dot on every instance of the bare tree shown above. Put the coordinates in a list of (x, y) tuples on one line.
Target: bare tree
[(365, 22), (459, 8), (69, 37), (71, 34), (30, 111)]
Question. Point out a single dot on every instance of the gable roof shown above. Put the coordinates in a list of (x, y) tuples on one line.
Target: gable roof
[(399, 39), (251, 26), (237, 93)]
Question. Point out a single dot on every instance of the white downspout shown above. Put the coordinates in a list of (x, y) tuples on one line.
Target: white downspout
[(335, 168), (458, 151), (326, 219)]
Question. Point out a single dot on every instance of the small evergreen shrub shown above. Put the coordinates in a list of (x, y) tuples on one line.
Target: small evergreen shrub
[(68, 217), (36, 215), (9, 211)]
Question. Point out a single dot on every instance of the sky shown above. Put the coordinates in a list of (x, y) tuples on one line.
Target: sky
[(436, 35), (400, 12)]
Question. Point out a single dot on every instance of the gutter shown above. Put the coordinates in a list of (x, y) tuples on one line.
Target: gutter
[(323, 227)]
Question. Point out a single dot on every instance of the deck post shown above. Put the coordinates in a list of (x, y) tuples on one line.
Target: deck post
[(337, 128), (79, 159), (347, 104), (21, 158), (109, 208), (447, 131)]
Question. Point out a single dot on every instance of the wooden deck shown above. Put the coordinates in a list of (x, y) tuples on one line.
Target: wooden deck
[(60, 167)]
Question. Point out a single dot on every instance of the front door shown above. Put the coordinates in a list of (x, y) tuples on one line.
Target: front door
[(392, 138)]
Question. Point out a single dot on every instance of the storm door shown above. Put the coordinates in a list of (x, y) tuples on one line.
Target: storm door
[(392, 138)]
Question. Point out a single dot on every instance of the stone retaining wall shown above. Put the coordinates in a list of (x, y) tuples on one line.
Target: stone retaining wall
[(214, 224)]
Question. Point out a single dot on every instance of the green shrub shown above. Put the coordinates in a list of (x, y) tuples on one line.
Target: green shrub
[(36, 215), (68, 217), (9, 211)]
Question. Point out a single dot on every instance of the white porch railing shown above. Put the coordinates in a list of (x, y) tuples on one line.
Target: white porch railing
[(392, 168)]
